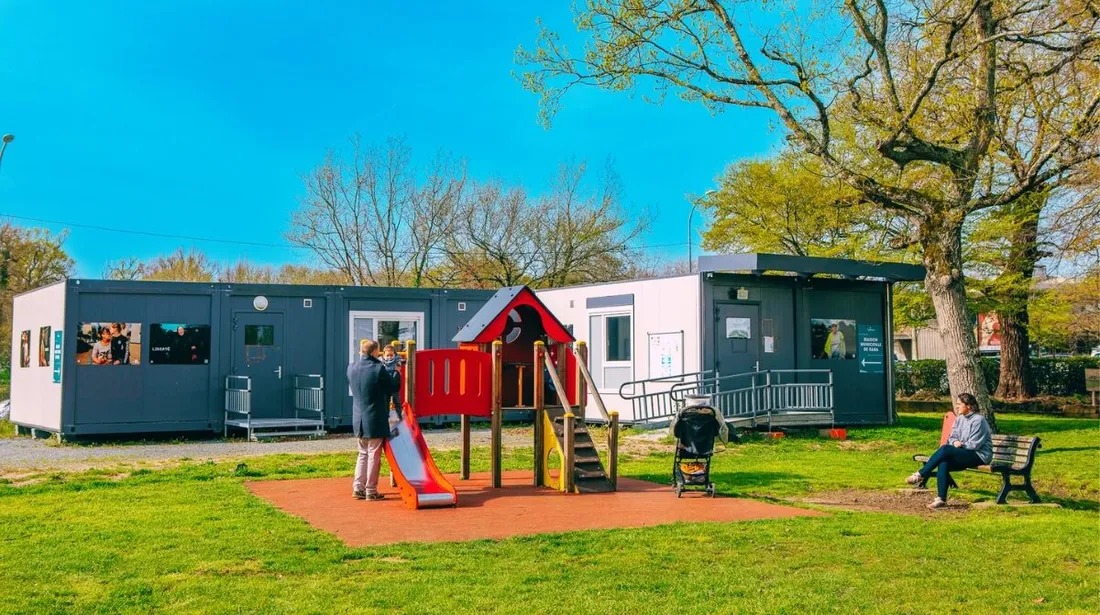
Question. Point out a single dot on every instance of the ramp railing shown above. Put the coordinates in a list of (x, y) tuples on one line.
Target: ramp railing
[(757, 396), (309, 395), (650, 398), (238, 400)]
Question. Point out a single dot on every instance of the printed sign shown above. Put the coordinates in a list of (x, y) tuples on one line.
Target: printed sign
[(871, 352), (831, 338), (1092, 379), (769, 343), (666, 354), (739, 328), (57, 339)]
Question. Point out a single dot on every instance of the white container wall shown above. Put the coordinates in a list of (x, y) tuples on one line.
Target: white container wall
[(635, 330), (35, 397)]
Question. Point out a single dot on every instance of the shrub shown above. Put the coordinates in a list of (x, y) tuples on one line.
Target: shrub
[(1058, 376)]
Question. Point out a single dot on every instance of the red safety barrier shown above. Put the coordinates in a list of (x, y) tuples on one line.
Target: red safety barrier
[(450, 381)]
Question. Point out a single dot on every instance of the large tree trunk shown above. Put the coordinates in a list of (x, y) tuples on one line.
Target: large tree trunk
[(941, 241), (1016, 381)]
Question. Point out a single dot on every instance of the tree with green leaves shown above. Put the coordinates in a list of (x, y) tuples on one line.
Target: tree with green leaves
[(921, 87), (29, 258), (788, 204)]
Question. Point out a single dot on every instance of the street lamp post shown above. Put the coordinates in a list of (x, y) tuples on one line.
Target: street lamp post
[(691, 240), (8, 138)]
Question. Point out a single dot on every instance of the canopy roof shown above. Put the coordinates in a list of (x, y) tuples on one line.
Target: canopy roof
[(809, 266)]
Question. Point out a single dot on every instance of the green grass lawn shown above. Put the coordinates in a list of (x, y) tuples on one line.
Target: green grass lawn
[(193, 539)]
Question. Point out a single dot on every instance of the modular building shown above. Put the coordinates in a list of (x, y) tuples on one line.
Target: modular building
[(109, 357), (760, 332)]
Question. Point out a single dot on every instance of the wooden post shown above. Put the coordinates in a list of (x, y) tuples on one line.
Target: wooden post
[(410, 373), (465, 459), (495, 435), (519, 386), (539, 401), (567, 464), (561, 365), (613, 450), (580, 390)]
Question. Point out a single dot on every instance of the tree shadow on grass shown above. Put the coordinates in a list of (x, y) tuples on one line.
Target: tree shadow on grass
[(1066, 449), (738, 484)]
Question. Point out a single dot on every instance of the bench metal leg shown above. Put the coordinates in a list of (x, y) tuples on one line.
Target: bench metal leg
[(1006, 486), (1030, 490)]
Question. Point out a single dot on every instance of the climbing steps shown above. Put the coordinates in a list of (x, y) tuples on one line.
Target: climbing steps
[(589, 475)]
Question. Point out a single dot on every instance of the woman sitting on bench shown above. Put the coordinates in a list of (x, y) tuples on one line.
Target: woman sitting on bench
[(969, 446)]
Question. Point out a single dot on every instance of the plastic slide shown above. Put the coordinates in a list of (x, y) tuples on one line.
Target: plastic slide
[(421, 483)]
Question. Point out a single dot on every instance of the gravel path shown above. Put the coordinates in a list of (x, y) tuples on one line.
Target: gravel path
[(22, 454)]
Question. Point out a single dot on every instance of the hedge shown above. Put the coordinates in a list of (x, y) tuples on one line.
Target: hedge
[(1060, 376)]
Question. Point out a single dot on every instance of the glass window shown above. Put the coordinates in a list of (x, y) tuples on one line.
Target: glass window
[(399, 330), (361, 329), (259, 335), (618, 338)]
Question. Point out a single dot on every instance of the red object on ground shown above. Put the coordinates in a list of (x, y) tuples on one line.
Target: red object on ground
[(420, 482), (775, 435), (838, 434), (948, 423), (517, 509)]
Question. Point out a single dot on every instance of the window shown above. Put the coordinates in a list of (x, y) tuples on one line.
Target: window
[(259, 335), (611, 356), (618, 338), (385, 327)]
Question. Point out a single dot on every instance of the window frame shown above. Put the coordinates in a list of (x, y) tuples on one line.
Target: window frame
[(603, 314), (376, 316)]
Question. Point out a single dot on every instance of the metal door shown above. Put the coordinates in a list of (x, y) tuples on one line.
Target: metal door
[(258, 341), (736, 341)]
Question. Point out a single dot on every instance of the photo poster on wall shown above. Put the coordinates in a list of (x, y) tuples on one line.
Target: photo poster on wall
[(177, 343), (666, 354), (25, 349), (832, 338), (739, 328), (44, 350), (108, 343)]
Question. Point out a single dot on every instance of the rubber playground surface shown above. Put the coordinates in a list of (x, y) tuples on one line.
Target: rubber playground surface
[(517, 509)]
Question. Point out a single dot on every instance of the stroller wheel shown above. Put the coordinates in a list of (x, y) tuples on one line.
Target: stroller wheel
[(711, 491), (679, 489)]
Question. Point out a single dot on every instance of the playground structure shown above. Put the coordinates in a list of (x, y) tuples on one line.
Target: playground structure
[(509, 353)]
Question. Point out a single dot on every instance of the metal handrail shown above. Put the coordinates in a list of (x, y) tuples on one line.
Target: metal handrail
[(677, 379), (678, 391), (238, 400), (307, 397), (764, 393)]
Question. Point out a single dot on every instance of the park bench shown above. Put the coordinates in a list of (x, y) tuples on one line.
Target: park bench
[(1012, 456)]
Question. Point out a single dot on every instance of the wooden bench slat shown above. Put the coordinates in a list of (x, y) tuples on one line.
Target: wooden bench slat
[(1020, 457)]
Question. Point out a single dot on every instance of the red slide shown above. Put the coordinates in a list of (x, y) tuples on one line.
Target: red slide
[(421, 483)]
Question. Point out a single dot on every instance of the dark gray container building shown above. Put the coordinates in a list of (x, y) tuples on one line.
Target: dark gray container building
[(162, 366)]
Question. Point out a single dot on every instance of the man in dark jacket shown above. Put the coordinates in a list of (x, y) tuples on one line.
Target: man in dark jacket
[(371, 387)]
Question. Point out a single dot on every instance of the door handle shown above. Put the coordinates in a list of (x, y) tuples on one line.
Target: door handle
[(279, 372)]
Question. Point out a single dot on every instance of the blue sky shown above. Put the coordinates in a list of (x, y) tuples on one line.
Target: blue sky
[(197, 118)]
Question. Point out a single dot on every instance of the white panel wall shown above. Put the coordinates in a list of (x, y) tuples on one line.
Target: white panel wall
[(661, 305), (35, 399)]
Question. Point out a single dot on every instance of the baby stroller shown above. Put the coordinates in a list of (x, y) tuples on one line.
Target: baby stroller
[(695, 428)]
